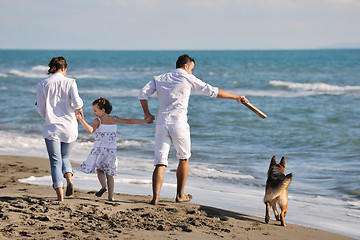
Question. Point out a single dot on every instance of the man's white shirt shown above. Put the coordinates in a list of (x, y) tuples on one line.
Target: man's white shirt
[(173, 90)]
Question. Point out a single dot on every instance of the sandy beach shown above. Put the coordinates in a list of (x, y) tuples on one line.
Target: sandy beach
[(32, 212)]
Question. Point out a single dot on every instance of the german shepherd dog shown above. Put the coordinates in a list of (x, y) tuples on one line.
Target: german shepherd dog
[(277, 190)]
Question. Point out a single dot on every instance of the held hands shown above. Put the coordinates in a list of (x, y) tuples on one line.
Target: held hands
[(79, 115), (149, 118)]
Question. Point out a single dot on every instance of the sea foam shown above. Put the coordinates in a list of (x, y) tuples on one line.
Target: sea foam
[(115, 92), (41, 68), (29, 74), (319, 88), (284, 89), (88, 76)]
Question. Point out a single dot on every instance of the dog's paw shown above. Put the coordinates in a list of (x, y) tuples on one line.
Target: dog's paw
[(282, 221), (267, 219)]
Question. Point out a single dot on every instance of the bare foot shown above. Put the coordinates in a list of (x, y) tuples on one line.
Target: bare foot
[(154, 202), (69, 189), (60, 194), (101, 192), (184, 198), (111, 199)]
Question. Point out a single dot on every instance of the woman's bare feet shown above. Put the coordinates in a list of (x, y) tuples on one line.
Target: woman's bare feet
[(69, 189), (183, 198), (70, 185), (60, 194)]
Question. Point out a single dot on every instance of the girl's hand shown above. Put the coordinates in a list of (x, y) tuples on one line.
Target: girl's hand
[(79, 116), (150, 119)]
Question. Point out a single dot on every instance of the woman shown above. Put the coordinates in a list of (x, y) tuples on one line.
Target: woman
[(57, 97)]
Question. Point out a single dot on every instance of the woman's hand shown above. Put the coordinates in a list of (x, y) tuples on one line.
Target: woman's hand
[(79, 116)]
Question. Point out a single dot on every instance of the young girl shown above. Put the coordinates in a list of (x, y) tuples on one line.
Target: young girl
[(102, 158)]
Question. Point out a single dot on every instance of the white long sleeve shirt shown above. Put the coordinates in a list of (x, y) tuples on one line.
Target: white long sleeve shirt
[(57, 97), (173, 90)]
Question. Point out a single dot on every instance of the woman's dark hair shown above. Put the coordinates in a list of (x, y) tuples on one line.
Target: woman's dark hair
[(103, 103), (57, 63), (183, 59)]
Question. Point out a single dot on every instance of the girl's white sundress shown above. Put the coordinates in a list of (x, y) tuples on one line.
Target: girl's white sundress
[(103, 153)]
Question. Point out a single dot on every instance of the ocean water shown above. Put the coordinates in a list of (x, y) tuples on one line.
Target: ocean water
[(311, 99)]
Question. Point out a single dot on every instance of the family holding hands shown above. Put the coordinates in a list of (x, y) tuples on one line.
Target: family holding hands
[(58, 101)]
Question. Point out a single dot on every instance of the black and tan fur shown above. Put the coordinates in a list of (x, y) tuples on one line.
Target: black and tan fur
[(277, 190)]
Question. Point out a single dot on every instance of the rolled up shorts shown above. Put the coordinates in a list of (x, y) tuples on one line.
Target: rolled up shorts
[(179, 135)]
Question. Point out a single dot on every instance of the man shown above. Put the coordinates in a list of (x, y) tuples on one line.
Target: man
[(173, 90)]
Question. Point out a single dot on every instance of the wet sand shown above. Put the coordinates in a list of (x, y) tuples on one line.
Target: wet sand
[(32, 212)]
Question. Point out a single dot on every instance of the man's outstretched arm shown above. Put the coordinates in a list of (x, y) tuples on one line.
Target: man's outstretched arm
[(238, 98)]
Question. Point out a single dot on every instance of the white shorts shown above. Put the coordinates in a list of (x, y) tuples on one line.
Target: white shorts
[(179, 135)]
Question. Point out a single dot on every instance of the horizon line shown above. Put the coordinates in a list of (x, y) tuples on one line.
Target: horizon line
[(259, 49)]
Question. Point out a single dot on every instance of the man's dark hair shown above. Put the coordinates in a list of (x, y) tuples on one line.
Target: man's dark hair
[(183, 59)]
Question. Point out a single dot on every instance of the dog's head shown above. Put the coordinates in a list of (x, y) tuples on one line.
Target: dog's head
[(276, 172), (280, 166)]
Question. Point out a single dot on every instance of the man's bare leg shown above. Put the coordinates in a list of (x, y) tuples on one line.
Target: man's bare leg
[(181, 175), (157, 181)]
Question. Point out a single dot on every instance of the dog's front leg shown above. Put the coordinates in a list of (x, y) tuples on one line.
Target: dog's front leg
[(267, 213)]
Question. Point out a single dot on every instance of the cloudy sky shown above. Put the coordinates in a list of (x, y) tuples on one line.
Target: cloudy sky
[(179, 24)]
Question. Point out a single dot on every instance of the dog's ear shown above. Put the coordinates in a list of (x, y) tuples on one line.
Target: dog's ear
[(273, 161), (282, 162)]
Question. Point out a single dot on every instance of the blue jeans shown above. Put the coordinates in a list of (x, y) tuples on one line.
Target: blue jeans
[(59, 153)]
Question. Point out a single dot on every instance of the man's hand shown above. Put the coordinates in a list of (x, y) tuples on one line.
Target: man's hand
[(149, 118), (242, 99)]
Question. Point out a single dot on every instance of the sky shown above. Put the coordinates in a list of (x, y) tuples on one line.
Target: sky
[(179, 24)]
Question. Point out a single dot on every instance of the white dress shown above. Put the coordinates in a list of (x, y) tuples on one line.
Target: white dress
[(103, 153)]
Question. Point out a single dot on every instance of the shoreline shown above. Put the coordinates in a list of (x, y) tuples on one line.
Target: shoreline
[(31, 211)]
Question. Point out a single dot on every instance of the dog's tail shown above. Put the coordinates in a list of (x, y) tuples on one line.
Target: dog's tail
[(287, 180), (272, 193)]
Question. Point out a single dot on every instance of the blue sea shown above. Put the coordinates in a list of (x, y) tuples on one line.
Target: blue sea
[(311, 98)]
